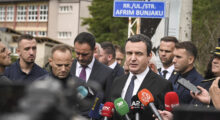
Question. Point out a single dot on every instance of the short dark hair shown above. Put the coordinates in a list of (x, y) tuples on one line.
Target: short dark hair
[(169, 39), (109, 48), (24, 36), (189, 47), (85, 37), (61, 47), (119, 48), (143, 38)]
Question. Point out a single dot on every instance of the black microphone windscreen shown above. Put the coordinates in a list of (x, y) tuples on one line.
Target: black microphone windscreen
[(136, 105)]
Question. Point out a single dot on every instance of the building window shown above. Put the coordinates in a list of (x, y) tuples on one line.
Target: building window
[(33, 33), (21, 13), (32, 13), (42, 33), (64, 35), (2, 13), (10, 13), (43, 12), (65, 8), (13, 51)]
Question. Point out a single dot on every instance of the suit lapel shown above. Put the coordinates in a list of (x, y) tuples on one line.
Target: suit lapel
[(122, 82), (148, 81), (119, 86), (94, 71)]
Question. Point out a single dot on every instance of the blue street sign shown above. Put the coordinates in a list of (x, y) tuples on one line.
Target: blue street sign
[(143, 9)]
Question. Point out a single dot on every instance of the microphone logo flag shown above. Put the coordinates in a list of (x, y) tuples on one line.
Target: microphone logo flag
[(120, 103), (145, 97), (106, 108)]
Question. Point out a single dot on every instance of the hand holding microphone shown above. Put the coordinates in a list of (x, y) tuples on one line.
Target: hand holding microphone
[(147, 98), (171, 100), (166, 115)]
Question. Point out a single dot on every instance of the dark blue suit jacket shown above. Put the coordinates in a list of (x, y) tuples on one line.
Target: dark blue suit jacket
[(118, 71), (184, 94)]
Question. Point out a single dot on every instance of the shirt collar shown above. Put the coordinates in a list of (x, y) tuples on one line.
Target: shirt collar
[(90, 65), (112, 66), (169, 69), (187, 73), (142, 75), (32, 69)]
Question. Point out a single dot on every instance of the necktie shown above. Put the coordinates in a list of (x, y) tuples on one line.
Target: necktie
[(164, 74), (82, 74), (130, 89)]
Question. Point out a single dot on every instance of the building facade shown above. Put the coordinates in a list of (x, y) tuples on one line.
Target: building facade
[(57, 19)]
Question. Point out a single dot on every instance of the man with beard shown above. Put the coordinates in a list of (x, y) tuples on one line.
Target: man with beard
[(184, 57), (107, 57), (167, 46), (86, 67), (24, 70)]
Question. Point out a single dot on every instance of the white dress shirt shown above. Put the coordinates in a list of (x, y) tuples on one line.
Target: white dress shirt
[(88, 69), (112, 66), (137, 82), (169, 71)]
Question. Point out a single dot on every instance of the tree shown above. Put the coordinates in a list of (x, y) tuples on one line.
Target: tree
[(205, 29), (103, 25)]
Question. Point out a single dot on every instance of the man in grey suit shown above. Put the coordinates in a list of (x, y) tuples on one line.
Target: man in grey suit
[(87, 67), (138, 53)]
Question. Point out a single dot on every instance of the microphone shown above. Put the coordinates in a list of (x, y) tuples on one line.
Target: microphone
[(94, 112), (122, 107), (171, 100), (107, 110), (82, 92), (100, 108), (136, 106), (146, 98)]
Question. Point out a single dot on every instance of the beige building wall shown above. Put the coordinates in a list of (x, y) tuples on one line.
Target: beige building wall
[(52, 19), (40, 54), (65, 23), (5, 38)]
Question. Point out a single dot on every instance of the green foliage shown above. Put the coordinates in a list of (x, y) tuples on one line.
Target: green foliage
[(205, 29), (105, 27), (13, 58)]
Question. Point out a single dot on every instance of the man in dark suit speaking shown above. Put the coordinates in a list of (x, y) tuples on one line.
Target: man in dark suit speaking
[(138, 53)]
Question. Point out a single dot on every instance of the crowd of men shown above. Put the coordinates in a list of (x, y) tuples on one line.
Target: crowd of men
[(116, 72)]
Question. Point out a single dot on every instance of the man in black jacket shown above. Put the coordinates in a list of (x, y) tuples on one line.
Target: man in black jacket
[(107, 57)]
